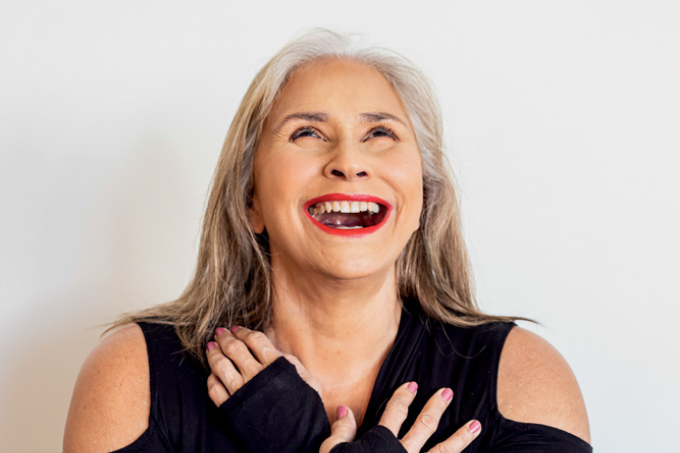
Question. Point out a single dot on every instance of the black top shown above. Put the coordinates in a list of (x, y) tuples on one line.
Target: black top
[(184, 419)]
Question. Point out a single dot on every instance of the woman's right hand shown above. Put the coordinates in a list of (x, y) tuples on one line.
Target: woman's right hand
[(344, 429), (237, 355)]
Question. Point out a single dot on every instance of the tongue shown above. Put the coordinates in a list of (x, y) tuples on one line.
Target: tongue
[(336, 219)]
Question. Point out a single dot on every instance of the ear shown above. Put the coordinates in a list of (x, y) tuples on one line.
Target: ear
[(256, 220)]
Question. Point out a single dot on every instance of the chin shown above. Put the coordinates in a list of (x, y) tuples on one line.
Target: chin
[(354, 269)]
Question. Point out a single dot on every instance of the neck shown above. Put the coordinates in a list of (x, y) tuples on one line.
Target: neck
[(340, 329)]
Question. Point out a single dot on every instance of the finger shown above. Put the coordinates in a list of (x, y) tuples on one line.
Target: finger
[(396, 410), (217, 391), (342, 430), (223, 369), (460, 439), (237, 351), (258, 343), (428, 420)]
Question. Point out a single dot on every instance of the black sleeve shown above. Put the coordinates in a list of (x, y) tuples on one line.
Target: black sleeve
[(276, 412), (376, 440)]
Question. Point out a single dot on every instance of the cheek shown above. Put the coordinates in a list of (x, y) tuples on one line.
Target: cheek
[(280, 180), (406, 173)]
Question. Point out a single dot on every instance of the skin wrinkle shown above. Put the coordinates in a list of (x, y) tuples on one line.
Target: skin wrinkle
[(370, 117), (326, 288)]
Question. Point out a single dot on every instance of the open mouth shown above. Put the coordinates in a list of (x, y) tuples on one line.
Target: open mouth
[(348, 214)]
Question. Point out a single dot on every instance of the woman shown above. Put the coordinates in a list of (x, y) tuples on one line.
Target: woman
[(332, 247)]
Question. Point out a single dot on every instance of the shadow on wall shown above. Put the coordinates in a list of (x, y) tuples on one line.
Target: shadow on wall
[(125, 258)]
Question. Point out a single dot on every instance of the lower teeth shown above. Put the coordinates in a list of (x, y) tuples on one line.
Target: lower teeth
[(348, 228)]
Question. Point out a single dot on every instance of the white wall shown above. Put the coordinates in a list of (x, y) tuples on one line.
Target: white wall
[(562, 125)]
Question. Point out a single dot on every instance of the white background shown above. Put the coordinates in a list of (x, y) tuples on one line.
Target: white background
[(562, 122)]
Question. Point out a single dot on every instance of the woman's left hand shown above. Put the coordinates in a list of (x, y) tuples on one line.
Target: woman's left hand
[(237, 356)]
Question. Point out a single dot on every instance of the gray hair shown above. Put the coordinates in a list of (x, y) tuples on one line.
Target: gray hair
[(232, 284)]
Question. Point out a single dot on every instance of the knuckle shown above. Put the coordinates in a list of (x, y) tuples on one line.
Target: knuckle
[(427, 422), (397, 408), (343, 425), (234, 383), (343, 431), (255, 336), (223, 367), (401, 411), (253, 366), (232, 347), (214, 393)]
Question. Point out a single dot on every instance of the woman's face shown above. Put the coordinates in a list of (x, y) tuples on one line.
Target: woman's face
[(338, 139)]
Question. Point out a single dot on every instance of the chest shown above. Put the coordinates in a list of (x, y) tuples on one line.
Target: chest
[(355, 395)]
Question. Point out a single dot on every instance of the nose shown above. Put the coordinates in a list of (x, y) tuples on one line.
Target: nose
[(348, 162)]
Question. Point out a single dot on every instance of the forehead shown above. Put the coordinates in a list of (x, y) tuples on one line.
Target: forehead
[(339, 87)]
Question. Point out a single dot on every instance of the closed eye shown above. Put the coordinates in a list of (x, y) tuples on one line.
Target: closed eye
[(381, 131), (305, 131)]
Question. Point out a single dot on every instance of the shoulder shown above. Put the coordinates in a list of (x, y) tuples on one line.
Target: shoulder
[(536, 385), (111, 400)]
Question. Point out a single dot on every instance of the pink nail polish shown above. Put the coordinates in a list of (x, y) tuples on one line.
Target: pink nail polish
[(413, 387), (447, 394), (234, 328), (212, 345), (220, 330), (474, 427), (342, 411)]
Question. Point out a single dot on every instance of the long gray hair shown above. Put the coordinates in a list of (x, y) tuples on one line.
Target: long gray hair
[(233, 285)]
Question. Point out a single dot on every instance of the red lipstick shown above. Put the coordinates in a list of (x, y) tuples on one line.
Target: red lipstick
[(358, 232)]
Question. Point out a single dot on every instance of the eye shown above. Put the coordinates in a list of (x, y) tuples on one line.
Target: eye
[(381, 131), (305, 131)]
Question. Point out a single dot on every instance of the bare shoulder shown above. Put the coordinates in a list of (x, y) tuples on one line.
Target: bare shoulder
[(111, 400), (536, 385)]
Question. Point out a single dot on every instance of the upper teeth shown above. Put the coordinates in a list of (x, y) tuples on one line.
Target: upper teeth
[(345, 206)]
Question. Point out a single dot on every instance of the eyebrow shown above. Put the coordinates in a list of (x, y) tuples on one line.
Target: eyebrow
[(308, 116), (376, 117), (321, 117)]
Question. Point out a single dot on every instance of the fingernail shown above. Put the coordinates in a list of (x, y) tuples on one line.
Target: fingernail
[(220, 330), (447, 394), (342, 411), (413, 387), (474, 427), (234, 328), (212, 345)]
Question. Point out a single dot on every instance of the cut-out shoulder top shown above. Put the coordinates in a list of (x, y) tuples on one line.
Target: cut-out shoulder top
[(184, 419)]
